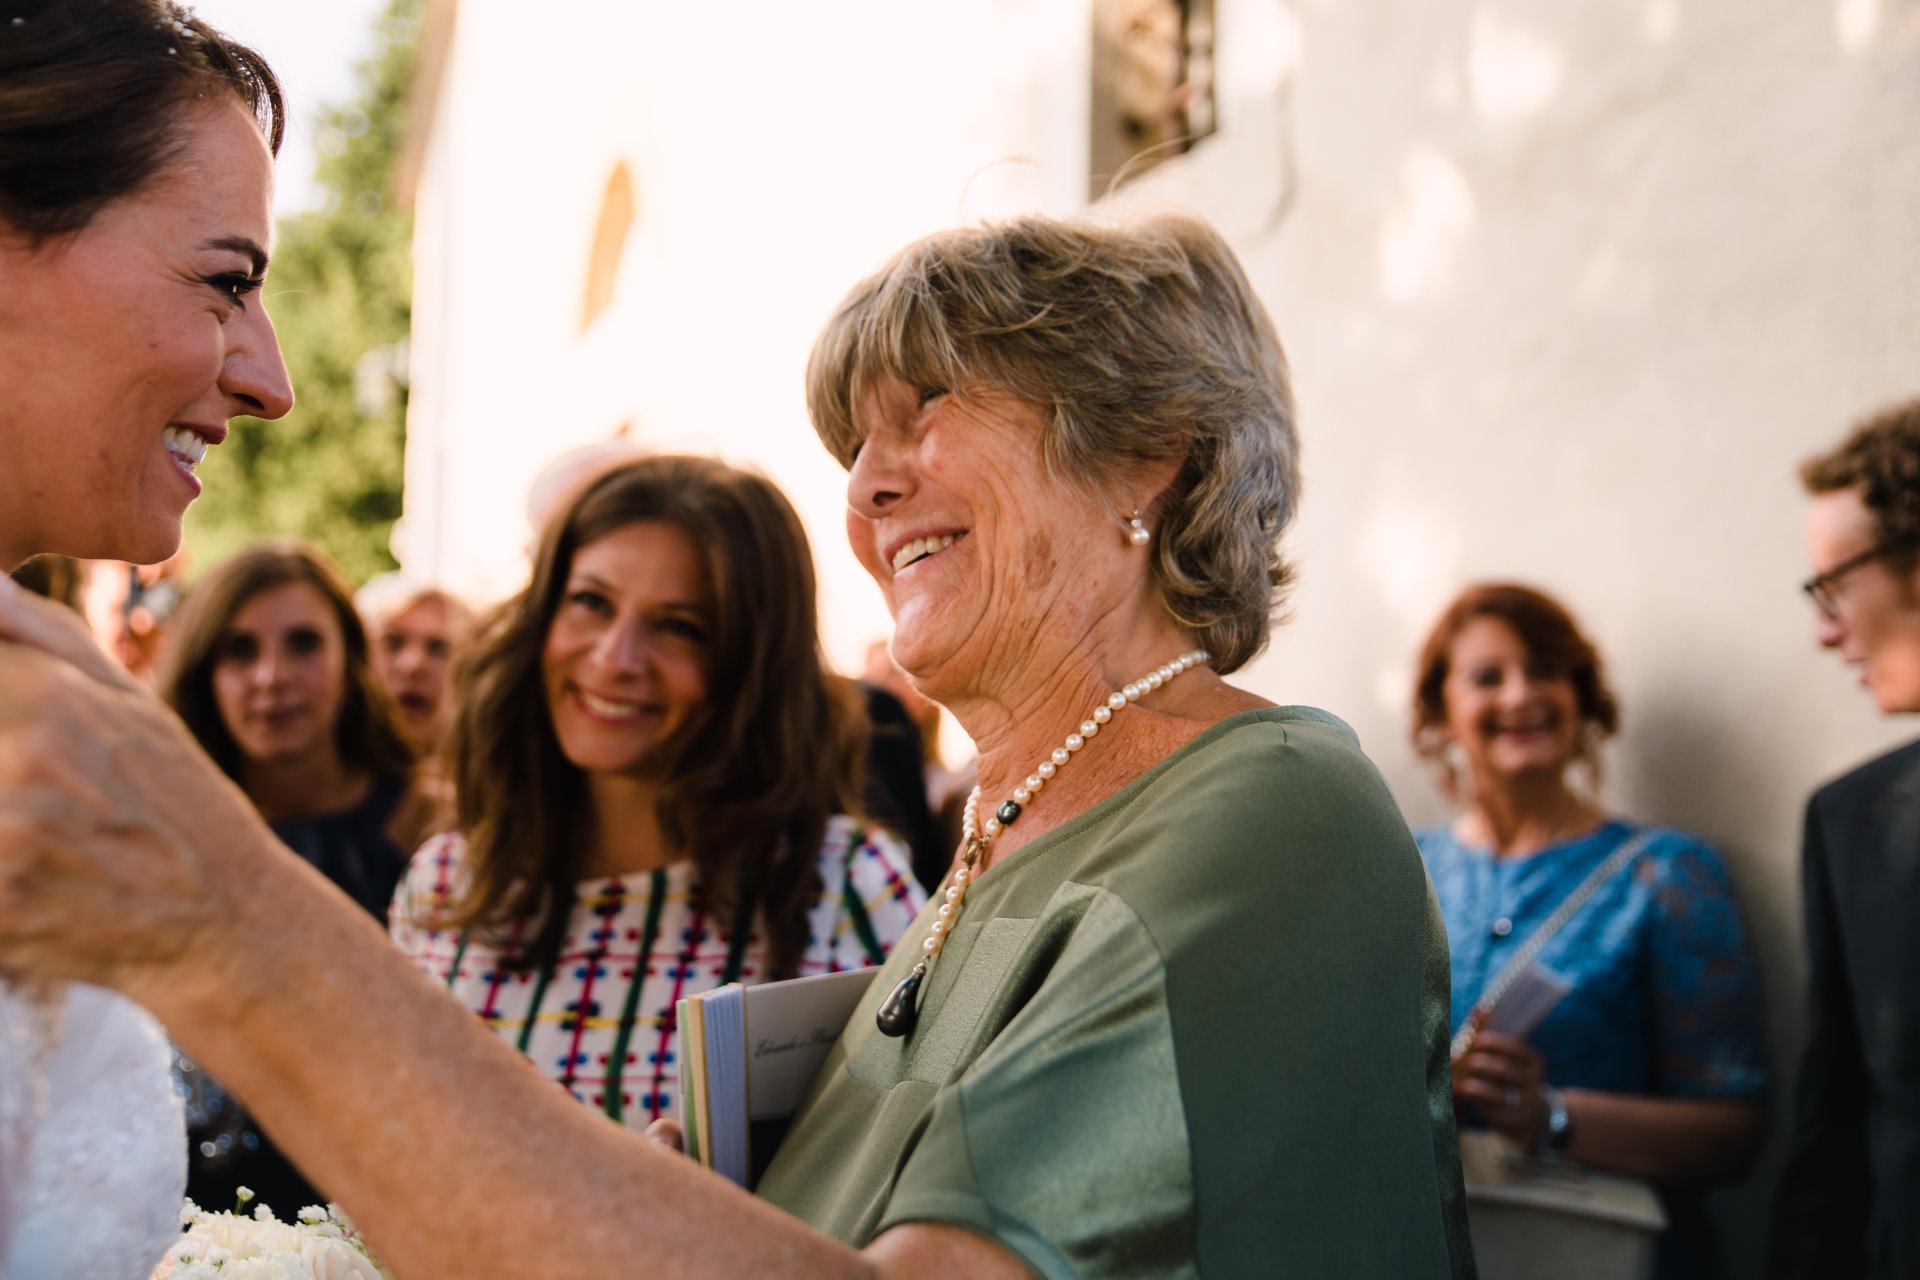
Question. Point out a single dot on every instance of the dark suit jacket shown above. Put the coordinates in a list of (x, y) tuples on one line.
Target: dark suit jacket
[(1850, 1202)]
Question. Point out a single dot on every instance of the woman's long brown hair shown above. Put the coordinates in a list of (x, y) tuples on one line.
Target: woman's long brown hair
[(367, 733), (776, 751)]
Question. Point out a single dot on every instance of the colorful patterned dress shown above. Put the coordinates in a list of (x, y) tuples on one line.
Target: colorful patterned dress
[(600, 1021)]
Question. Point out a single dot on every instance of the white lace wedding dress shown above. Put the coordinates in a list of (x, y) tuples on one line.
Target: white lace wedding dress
[(93, 1152)]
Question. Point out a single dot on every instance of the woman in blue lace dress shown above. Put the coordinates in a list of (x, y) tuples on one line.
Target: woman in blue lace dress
[(1653, 1064)]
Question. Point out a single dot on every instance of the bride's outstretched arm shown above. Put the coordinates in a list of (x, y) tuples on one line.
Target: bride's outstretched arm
[(128, 860)]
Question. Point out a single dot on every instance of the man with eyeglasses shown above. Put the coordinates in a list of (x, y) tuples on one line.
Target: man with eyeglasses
[(1850, 1200)]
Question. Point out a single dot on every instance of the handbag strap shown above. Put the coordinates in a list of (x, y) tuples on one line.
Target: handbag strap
[(1523, 959)]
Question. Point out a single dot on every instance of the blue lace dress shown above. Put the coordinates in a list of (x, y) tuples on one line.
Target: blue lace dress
[(1664, 1000)]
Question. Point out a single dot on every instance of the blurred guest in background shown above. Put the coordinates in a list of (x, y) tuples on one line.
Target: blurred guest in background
[(564, 478), (130, 607), (1850, 1200), (657, 784), (58, 578), (269, 667), (946, 789), (413, 628), (894, 792), (1653, 1064), (884, 673)]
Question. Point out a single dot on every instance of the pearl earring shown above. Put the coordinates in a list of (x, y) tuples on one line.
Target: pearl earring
[(1137, 532)]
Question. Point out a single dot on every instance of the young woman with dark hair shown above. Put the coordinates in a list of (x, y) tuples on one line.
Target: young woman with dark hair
[(270, 670), (656, 778), (1654, 1063)]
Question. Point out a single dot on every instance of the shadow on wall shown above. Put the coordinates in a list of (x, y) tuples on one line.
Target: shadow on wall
[(1687, 764)]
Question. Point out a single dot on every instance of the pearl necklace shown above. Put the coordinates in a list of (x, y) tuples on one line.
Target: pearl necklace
[(900, 1010)]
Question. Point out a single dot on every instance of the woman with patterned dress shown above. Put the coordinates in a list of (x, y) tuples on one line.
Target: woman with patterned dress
[(1653, 1064), (654, 774)]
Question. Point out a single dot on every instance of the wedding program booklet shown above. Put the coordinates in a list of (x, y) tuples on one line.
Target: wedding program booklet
[(1529, 1000), (747, 1058)]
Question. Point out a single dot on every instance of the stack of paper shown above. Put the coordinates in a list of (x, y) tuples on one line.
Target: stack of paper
[(749, 1054)]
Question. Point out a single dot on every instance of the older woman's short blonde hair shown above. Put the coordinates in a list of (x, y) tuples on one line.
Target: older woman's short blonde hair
[(1138, 344)]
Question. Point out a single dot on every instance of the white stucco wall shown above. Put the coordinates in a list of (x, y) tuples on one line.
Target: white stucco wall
[(1568, 288), (777, 157)]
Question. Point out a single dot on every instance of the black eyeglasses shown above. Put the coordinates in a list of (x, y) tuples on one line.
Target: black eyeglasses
[(1820, 587)]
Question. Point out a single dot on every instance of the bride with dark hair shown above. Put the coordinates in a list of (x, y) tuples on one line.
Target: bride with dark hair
[(131, 331)]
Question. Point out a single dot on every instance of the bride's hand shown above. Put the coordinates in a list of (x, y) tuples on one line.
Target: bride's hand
[(120, 842)]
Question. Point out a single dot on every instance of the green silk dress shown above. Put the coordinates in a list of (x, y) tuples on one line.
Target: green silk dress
[(1200, 1029)]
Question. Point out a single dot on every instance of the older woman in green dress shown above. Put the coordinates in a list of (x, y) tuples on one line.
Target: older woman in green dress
[(1182, 1006)]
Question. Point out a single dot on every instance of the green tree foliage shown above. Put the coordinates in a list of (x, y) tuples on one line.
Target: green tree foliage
[(340, 292)]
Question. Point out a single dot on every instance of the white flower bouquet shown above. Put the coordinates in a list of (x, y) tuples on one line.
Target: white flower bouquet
[(321, 1244)]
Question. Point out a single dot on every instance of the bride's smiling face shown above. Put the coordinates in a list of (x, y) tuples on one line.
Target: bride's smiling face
[(126, 347)]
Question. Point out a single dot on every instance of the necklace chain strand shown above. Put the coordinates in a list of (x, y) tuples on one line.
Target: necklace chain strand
[(901, 1009)]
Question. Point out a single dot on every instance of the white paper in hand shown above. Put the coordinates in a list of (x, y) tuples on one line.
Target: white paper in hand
[(1530, 998)]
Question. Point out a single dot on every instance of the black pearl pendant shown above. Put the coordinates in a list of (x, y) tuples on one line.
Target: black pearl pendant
[(899, 1011), (1008, 812)]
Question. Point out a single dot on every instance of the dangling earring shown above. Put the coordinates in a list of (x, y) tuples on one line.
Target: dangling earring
[(1137, 532)]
